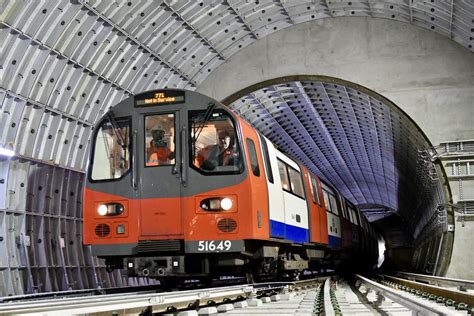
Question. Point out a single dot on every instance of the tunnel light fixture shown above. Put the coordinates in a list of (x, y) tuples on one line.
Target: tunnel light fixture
[(6, 152)]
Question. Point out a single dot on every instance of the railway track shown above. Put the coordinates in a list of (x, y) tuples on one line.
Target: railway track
[(146, 302), (380, 295), (388, 295), (462, 285), (453, 293)]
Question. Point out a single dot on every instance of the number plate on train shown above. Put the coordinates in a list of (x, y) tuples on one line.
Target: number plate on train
[(211, 246)]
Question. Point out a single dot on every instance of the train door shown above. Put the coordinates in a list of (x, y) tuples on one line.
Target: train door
[(333, 220), (275, 193), (159, 163), (294, 199)]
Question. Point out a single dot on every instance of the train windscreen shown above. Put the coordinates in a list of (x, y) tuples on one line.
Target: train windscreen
[(160, 140), (111, 156), (214, 143)]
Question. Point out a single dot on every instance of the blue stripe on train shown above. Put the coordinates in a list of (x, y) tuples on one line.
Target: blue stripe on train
[(289, 232), (334, 242), (277, 229)]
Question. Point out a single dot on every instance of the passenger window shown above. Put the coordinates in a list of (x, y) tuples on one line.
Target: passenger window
[(285, 183), (266, 158), (214, 143), (349, 214), (253, 157), (334, 208), (314, 190), (355, 217), (343, 209), (327, 205), (296, 182), (159, 140), (330, 202), (352, 212)]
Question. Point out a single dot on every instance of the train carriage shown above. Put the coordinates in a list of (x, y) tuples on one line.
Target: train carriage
[(179, 185)]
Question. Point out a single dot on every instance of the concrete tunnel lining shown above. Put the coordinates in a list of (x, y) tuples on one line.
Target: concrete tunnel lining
[(55, 82)]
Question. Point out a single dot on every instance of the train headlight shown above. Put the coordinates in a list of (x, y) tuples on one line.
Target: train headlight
[(226, 204), (216, 204), (102, 210), (110, 209)]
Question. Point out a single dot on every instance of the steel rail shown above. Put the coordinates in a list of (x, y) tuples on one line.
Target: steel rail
[(404, 299), (81, 293), (457, 296), (130, 302), (439, 281), (328, 308)]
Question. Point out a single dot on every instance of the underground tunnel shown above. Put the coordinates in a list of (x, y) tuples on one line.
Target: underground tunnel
[(368, 148), (375, 99)]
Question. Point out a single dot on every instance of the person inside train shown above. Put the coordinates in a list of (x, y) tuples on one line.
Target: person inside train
[(158, 152), (221, 154)]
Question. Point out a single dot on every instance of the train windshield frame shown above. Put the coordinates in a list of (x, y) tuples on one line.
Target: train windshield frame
[(215, 144), (110, 155)]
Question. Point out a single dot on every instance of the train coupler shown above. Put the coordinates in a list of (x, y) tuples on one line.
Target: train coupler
[(155, 267)]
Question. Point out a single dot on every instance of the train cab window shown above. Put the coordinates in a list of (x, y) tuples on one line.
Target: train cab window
[(214, 143), (111, 156), (159, 140), (253, 158), (285, 182), (296, 182)]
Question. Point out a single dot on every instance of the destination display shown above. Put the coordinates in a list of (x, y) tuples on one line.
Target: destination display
[(159, 97)]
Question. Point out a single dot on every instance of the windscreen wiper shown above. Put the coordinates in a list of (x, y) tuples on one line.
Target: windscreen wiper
[(115, 128), (206, 118)]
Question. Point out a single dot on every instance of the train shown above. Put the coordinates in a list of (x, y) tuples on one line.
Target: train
[(178, 185)]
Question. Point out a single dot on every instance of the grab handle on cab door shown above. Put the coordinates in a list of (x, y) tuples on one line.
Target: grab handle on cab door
[(134, 161), (176, 166), (184, 172)]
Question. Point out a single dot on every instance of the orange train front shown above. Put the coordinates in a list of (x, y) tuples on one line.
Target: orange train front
[(177, 185)]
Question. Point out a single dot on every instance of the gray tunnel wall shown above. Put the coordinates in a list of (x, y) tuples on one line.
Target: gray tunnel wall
[(427, 75), (41, 232), (40, 239)]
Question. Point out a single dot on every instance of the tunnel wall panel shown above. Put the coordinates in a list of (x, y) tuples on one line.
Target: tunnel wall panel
[(12, 110), (41, 231)]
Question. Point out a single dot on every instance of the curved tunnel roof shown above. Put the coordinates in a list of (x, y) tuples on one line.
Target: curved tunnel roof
[(63, 64), (352, 137)]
